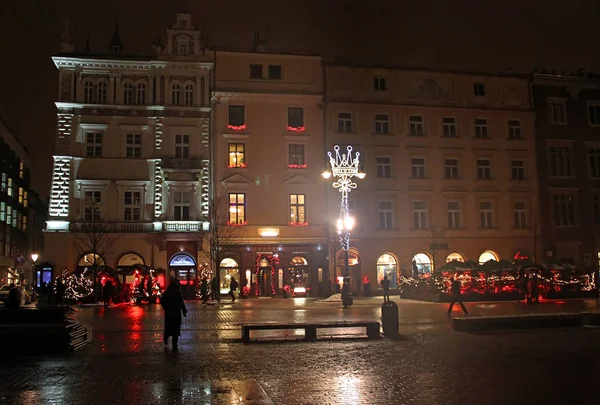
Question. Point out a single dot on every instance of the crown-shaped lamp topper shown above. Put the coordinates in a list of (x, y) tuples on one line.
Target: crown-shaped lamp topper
[(343, 164)]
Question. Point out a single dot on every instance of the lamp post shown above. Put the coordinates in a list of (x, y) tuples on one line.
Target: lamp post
[(344, 167), (34, 257)]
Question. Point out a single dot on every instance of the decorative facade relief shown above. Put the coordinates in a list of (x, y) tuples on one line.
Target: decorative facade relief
[(158, 189), (158, 132), (204, 188), (59, 195), (64, 126)]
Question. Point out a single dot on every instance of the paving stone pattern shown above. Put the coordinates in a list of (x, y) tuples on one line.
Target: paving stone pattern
[(429, 364)]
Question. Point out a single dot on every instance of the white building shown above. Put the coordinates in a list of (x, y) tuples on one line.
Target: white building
[(132, 152)]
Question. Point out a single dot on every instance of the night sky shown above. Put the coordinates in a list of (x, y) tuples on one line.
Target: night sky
[(489, 35)]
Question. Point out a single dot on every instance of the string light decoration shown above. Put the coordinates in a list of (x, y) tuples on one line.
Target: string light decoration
[(345, 166), (77, 287), (298, 223), (241, 223), (237, 127), (297, 129), (296, 166), (274, 261)]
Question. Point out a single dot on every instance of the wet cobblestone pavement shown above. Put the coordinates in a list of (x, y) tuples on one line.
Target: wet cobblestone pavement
[(429, 364)]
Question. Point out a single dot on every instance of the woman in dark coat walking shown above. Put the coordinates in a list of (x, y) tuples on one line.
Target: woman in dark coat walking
[(173, 305)]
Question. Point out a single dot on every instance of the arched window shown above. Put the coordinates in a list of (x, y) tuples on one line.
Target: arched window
[(298, 275), (421, 264), (89, 259), (188, 96), (175, 94), (455, 256), (88, 92), (102, 92), (140, 96), (128, 93), (387, 266), (487, 256), (228, 269)]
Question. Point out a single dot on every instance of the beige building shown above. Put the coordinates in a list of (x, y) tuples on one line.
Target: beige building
[(268, 154), (132, 155), (450, 163)]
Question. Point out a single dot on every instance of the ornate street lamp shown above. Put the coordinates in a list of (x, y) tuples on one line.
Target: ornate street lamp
[(344, 167)]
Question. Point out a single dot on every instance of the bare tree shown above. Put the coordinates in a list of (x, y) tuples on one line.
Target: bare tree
[(220, 234), (94, 236)]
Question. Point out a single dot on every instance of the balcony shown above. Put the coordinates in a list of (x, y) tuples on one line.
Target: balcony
[(182, 226), (120, 227), (174, 163)]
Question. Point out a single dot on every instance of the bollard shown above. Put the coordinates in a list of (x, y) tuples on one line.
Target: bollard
[(389, 318)]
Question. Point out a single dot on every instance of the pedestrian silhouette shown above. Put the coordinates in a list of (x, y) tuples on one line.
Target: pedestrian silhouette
[(385, 284), (173, 305), (232, 287), (456, 295)]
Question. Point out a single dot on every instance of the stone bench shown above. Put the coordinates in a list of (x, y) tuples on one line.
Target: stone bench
[(310, 328)]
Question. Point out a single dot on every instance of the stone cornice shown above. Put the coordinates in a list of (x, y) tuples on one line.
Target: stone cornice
[(66, 105), (567, 81), (225, 96), (106, 65)]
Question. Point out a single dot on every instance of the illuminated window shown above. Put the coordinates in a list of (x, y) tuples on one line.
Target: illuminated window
[(175, 94), (182, 146), (296, 157), (181, 206), (132, 205), (455, 256), (24, 223), (25, 199), (21, 170), (10, 187), (140, 95), (487, 256), (102, 92), (387, 267), (88, 92), (2, 212), (3, 182), (236, 117), (449, 127), (92, 206), (297, 209), (133, 145), (382, 124), (20, 195), (93, 144), (237, 209), (128, 93), (9, 214), (421, 264), (188, 95), (237, 155)]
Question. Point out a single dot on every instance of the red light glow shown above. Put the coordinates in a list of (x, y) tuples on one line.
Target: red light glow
[(297, 129), (237, 127), (295, 166), (237, 166), (298, 223), (244, 223)]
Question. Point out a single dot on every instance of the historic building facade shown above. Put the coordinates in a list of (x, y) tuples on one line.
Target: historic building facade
[(568, 157), (131, 158), (450, 162), (268, 156), (21, 212)]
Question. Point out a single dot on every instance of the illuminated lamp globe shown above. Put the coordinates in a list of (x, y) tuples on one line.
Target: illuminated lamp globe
[(326, 174), (349, 223), (34, 257), (361, 175)]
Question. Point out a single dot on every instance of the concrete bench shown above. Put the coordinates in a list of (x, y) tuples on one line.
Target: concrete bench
[(310, 329)]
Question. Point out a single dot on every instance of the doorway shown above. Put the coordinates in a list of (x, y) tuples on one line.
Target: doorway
[(264, 282)]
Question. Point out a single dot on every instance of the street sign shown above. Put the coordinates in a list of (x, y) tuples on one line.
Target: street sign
[(438, 246)]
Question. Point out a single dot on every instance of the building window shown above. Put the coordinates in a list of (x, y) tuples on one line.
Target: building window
[(557, 112), (384, 167), (175, 94), (9, 191), (514, 130), (102, 92), (93, 144), (560, 161), (133, 145), (484, 171), (454, 214), (449, 127), (594, 162), (564, 209), (92, 206), (188, 95), (25, 199), (128, 93), (237, 209), (344, 122), (21, 169), (9, 215), (479, 89), (236, 119), (296, 119), (517, 169), (132, 205), (256, 71), (481, 128), (20, 196), (237, 155), (183, 49), (486, 214), (2, 212), (451, 168), (24, 223), (416, 125), (275, 72), (520, 214), (297, 209), (594, 114), (595, 209), (181, 206), (140, 96), (88, 93), (379, 83), (420, 215), (418, 168), (182, 146), (386, 215), (382, 124), (296, 156), (3, 183)]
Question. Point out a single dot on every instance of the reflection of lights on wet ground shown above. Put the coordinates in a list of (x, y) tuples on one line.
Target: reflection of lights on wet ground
[(349, 389)]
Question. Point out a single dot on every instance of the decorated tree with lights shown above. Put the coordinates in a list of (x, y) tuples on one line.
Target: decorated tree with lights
[(94, 238), (77, 287)]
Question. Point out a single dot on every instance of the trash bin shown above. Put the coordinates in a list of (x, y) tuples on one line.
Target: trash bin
[(389, 318)]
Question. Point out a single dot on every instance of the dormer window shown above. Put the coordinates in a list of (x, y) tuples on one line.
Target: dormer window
[(183, 25), (183, 48)]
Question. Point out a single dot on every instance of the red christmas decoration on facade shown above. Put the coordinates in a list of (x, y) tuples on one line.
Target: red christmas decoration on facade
[(295, 166), (244, 223), (298, 223), (274, 261), (237, 127), (237, 166), (297, 129)]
